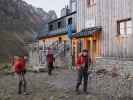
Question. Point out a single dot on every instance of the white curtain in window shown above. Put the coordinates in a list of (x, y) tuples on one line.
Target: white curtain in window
[(129, 27), (122, 28)]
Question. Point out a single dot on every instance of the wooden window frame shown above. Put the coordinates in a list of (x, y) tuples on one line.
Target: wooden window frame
[(118, 25), (91, 3)]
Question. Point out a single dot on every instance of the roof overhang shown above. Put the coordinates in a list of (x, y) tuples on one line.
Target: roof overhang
[(87, 32)]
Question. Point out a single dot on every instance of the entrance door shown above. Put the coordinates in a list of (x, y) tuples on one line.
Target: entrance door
[(79, 46), (91, 46), (94, 47)]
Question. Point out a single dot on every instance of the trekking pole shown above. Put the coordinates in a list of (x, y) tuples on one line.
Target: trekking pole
[(29, 83)]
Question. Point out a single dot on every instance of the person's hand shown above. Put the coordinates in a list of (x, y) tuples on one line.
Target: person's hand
[(78, 67)]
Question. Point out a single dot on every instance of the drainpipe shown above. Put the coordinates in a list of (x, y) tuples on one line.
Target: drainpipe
[(70, 39)]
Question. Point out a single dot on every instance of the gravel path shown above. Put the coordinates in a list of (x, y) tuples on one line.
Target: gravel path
[(61, 86)]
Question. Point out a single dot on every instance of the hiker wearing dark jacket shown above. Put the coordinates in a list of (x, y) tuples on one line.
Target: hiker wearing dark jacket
[(83, 64), (50, 61)]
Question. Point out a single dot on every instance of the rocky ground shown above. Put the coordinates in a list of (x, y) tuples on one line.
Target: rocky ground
[(61, 86)]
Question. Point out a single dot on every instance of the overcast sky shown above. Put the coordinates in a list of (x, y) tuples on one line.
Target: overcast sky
[(49, 4)]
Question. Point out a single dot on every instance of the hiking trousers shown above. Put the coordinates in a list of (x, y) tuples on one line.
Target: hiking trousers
[(50, 68), (82, 75), (22, 84)]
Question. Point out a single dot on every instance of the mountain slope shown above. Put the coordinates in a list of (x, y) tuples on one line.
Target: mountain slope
[(18, 22)]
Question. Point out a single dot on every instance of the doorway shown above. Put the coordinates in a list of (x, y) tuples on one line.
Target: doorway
[(92, 46)]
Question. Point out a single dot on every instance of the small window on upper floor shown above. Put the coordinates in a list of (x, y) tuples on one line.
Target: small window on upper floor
[(124, 27), (50, 27), (91, 2), (70, 21), (59, 24)]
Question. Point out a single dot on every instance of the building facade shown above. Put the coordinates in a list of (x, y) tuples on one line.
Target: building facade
[(57, 36), (58, 29), (115, 20)]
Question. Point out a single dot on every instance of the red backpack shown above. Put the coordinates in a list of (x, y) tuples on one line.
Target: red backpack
[(19, 66)]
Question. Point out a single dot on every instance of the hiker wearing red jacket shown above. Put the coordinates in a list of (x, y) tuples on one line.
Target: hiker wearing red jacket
[(50, 61), (20, 70), (83, 63)]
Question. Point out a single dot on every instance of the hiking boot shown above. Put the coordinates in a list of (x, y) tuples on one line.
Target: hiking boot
[(26, 93), (19, 92), (86, 92), (77, 92)]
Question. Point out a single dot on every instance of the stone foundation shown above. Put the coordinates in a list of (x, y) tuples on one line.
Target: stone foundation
[(122, 66)]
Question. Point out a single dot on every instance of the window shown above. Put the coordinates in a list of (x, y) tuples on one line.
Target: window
[(51, 27), (124, 27), (60, 39), (59, 24), (91, 2), (69, 21)]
